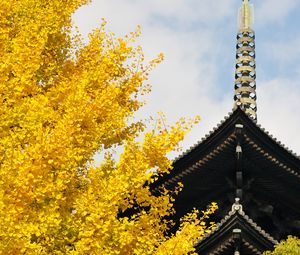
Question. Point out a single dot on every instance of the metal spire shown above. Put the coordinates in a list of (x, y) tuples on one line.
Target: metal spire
[(246, 15), (245, 73)]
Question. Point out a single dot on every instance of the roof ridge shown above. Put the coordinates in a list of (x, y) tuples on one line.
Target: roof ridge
[(229, 114), (279, 143), (237, 208), (204, 137)]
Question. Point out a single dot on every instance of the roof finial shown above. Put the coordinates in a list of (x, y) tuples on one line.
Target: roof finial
[(245, 74), (246, 15)]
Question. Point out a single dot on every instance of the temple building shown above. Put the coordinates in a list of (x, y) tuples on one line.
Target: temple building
[(253, 177)]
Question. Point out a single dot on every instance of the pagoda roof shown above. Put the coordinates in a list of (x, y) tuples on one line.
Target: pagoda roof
[(236, 229), (231, 116), (187, 161), (270, 174)]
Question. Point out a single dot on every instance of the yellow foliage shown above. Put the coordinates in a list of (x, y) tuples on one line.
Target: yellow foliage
[(62, 101), (290, 246)]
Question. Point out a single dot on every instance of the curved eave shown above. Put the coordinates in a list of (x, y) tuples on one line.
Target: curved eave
[(221, 238), (216, 140), (230, 218)]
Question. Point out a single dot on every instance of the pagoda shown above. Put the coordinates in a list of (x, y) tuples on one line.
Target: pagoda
[(254, 179)]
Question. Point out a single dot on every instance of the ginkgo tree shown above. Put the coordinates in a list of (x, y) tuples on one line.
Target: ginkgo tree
[(62, 101), (290, 246)]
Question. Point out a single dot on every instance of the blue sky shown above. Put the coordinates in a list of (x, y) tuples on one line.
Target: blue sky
[(198, 40)]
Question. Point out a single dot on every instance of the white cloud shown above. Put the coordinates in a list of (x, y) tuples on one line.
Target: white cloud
[(286, 50), (273, 11), (279, 110)]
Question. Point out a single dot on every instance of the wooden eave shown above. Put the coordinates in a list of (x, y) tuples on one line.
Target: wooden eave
[(222, 240), (227, 248), (271, 174), (222, 136)]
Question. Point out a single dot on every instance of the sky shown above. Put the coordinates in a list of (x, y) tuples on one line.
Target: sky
[(198, 40)]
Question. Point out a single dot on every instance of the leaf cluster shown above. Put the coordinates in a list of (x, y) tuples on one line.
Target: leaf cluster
[(290, 246), (61, 101)]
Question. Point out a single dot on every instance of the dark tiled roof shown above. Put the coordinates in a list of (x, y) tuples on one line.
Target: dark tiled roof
[(221, 123), (238, 209), (229, 223), (189, 161)]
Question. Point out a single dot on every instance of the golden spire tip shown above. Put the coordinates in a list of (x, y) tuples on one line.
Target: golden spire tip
[(246, 15)]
